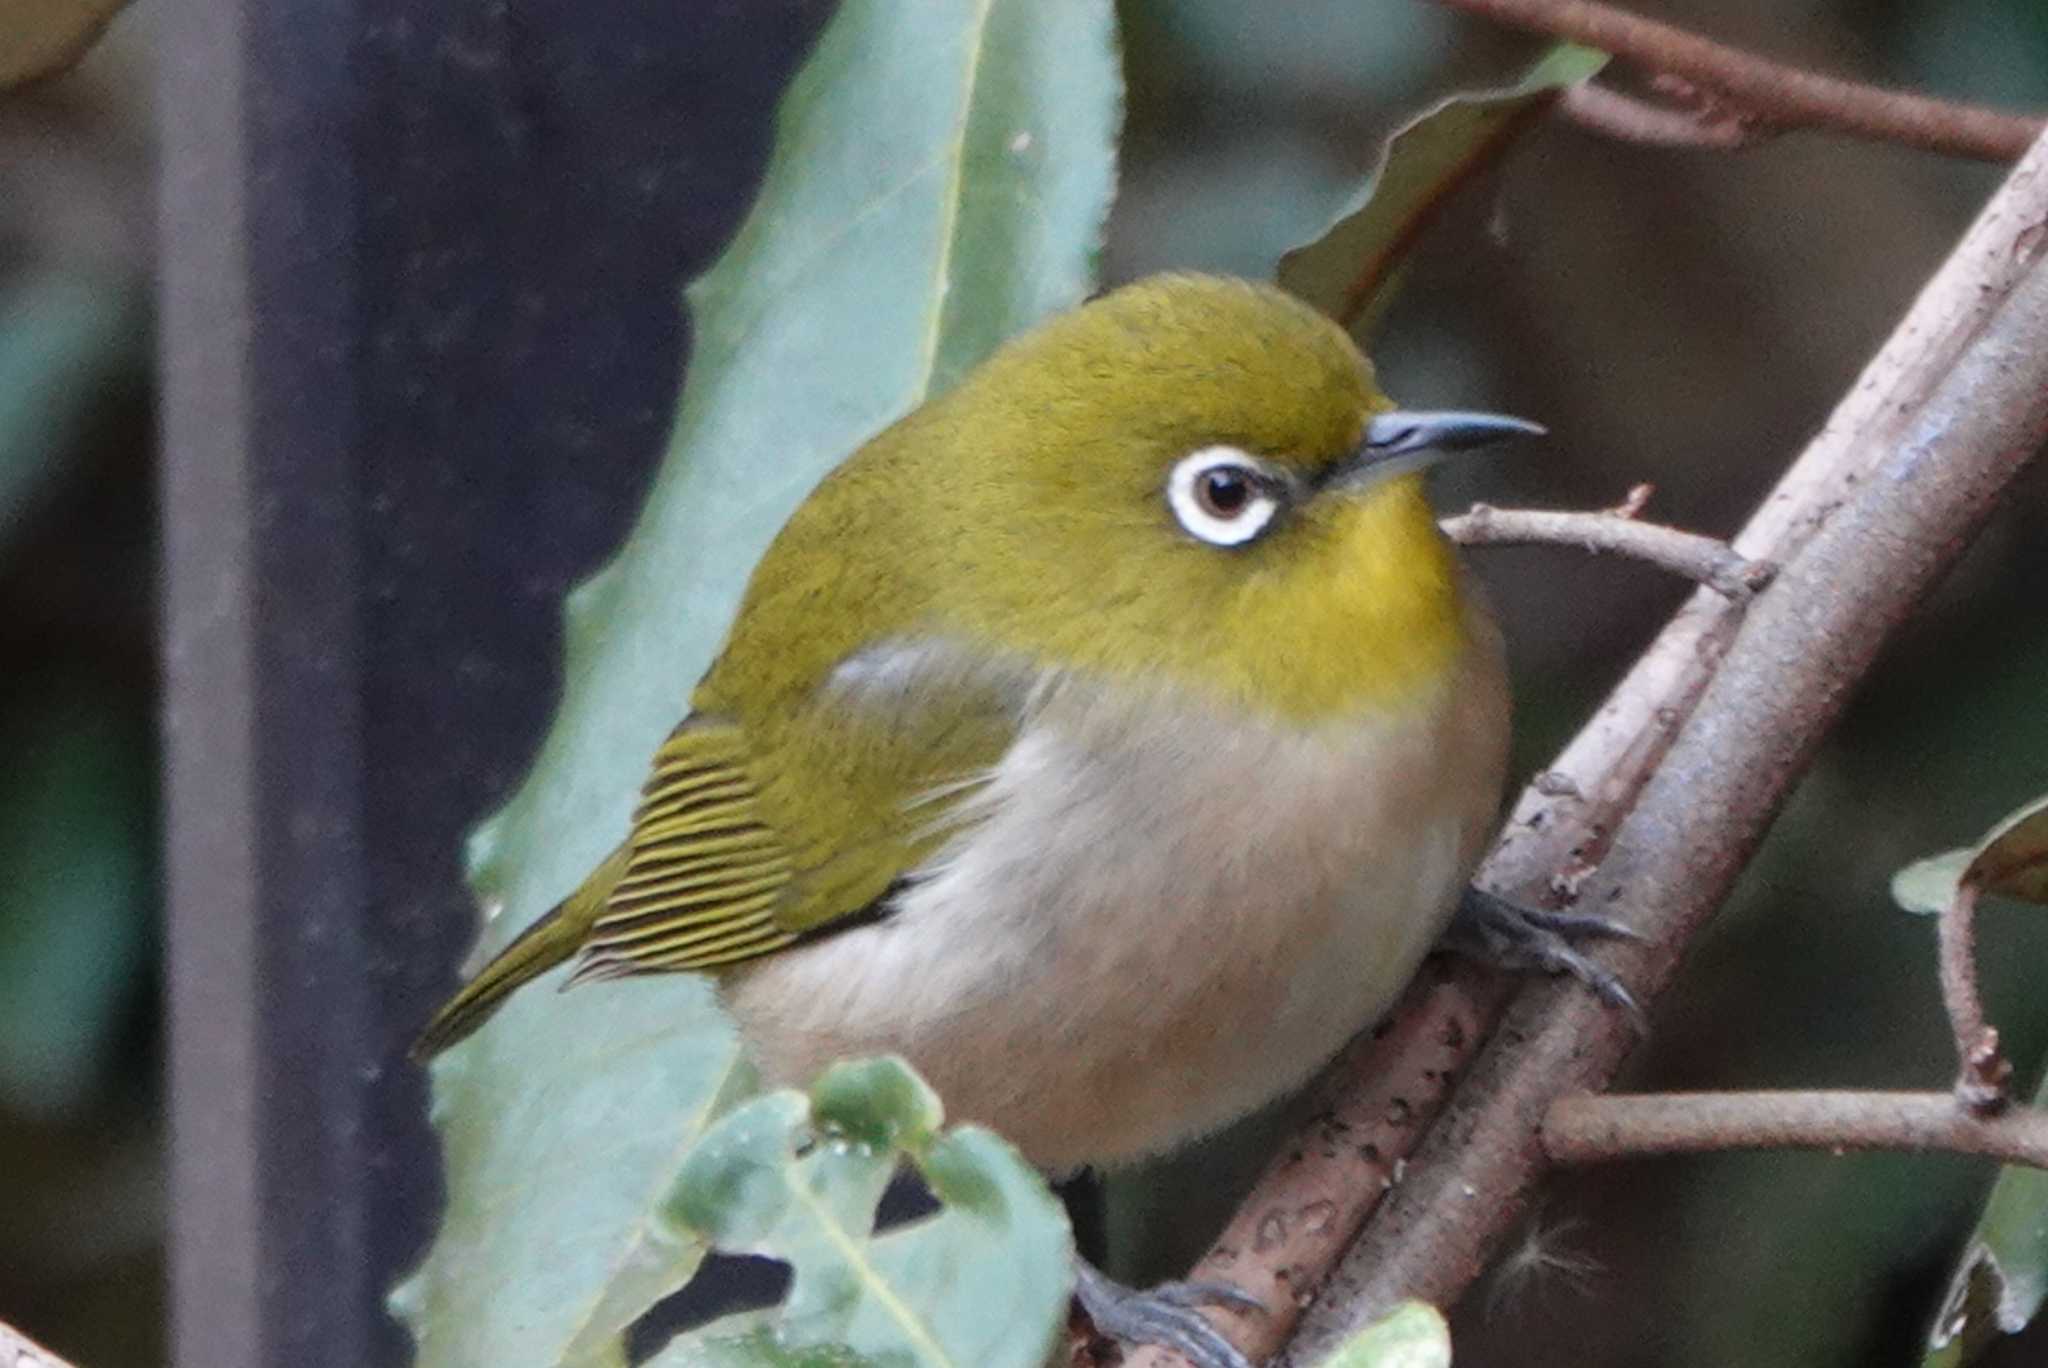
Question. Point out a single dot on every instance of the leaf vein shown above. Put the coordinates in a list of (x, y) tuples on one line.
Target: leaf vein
[(949, 236), (914, 1328)]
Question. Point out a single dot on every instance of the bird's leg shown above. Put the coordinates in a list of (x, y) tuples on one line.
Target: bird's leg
[(1165, 1315), (1492, 929)]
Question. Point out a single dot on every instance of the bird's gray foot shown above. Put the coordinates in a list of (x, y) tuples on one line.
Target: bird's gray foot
[(1496, 931), (1165, 1315)]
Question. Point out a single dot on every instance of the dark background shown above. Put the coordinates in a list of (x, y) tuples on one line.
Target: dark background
[(457, 234)]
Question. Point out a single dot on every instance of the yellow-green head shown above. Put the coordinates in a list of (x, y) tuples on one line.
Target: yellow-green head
[(1191, 482)]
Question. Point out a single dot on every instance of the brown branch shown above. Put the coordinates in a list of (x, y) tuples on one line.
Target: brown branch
[(1612, 114), (1700, 559), (1316, 1192), (1464, 1187), (19, 1351), (1983, 1076), (1758, 91), (1680, 772), (1428, 1234), (1590, 1129)]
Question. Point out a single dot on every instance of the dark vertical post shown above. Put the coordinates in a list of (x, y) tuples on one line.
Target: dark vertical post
[(209, 831), (421, 337), (263, 670)]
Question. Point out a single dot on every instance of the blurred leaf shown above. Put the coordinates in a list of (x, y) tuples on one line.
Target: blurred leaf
[(981, 1284), (938, 182), (2003, 1278), (61, 338), (43, 37), (1412, 1335), (76, 894), (1928, 886), (935, 187), (2011, 860), (1348, 272)]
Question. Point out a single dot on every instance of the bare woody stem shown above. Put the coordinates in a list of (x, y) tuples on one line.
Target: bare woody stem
[(1627, 119), (1589, 1129), (1671, 786), (1655, 807), (1700, 559), (1983, 1075), (1761, 91)]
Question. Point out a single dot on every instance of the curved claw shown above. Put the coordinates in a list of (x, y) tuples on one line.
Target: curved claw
[(1493, 929), (1165, 1316), (1605, 984), (1588, 924), (1208, 1294)]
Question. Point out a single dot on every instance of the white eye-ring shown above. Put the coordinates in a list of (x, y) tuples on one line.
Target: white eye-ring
[(1222, 495)]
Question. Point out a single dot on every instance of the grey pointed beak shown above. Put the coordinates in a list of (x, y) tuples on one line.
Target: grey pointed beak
[(1407, 440), (1403, 432)]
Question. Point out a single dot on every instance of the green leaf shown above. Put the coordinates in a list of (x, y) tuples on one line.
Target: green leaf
[(562, 1127), (2011, 861), (1412, 1335), (2003, 1279), (1927, 886), (1349, 272), (938, 182), (981, 1284)]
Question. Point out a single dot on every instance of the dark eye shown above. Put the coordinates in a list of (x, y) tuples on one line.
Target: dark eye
[(1223, 491), (1221, 495)]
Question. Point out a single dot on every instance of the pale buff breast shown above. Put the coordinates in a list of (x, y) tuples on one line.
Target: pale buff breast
[(1159, 920)]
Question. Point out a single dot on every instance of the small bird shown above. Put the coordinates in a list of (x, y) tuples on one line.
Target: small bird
[(1110, 737)]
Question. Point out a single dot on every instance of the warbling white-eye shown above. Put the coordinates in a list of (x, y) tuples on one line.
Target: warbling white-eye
[(1110, 737)]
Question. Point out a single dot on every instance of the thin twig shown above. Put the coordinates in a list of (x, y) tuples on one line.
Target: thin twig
[(1635, 501), (19, 1351), (1590, 1128), (1701, 559), (1602, 110), (1983, 1075), (1770, 93)]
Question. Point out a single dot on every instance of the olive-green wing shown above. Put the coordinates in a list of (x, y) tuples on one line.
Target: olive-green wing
[(730, 859), (704, 869), (695, 885)]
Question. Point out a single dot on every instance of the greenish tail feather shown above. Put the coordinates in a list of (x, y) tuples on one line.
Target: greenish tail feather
[(537, 949)]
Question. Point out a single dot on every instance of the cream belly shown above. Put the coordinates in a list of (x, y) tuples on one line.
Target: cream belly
[(1156, 920)]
